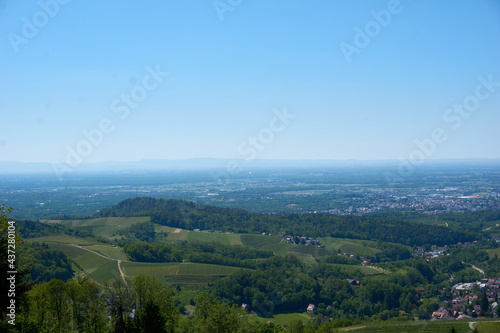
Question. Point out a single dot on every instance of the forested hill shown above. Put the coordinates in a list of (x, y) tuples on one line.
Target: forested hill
[(190, 215)]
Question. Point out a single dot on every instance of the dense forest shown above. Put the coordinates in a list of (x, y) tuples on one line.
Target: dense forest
[(45, 263)]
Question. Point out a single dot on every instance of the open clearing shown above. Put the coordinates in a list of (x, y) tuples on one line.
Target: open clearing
[(178, 236), (493, 252), (106, 273), (223, 238), (350, 246), (366, 270), (108, 251), (411, 326), (268, 243), (105, 226), (63, 240), (135, 268), (284, 318), (488, 327)]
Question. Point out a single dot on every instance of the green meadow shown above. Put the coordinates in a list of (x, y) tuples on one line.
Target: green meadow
[(422, 326), (351, 246), (105, 226)]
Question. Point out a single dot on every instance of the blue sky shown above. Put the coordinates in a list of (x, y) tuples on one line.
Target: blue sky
[(228, 78)]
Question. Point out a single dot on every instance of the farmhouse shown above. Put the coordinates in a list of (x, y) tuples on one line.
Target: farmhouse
[(311, 308)]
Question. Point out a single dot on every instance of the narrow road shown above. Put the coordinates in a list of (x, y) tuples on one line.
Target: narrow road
[(100, 255), (121, 272), (478, 269), (106, 257)]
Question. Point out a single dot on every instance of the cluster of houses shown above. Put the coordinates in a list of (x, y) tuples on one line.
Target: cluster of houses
[(461, 305), (491, 285), (436, 252)]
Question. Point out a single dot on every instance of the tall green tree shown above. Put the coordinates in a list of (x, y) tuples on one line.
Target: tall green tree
[(88, 304), (121, 301), (50, 307), (154, 305), (212, 316)]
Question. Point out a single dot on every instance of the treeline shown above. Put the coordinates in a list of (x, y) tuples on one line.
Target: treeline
[(32, 229), (144, 231), (45, 264), (190, 215), (392, 252), (81, 305), (471, 221), (199, 252)]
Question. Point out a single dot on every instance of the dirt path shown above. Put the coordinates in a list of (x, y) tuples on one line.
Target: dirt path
[(121, 272), (106, 257), (100, 255), (478, 269)]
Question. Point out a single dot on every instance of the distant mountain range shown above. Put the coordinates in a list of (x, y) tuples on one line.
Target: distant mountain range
[(7, 167)]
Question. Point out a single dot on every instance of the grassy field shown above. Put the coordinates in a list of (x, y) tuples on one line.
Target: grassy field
[(285, 318), (164, 228), (176, 269), (136, 268), (105, 274), (63, 240), (105, 270), (179, 236), (444, 326), (493, 252), (206, 269), (314, 251), (108, 251), (268, 243), (189, 279), (179, 273), (211, 237), (351, 246), (488, 327), (304, 257), (366, 270), (101, 269), (370, 270), (90, 261), (105, 226), (71, 251)]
